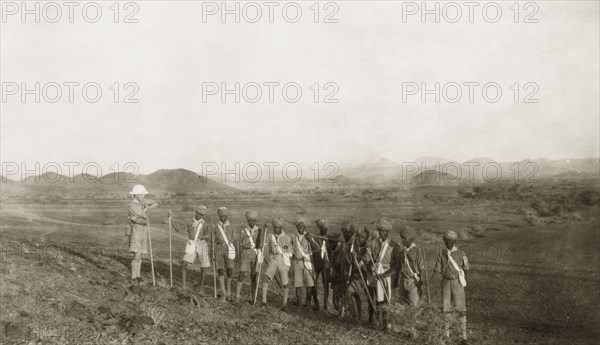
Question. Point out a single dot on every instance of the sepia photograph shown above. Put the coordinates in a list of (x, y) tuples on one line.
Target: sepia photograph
[(341, 172)]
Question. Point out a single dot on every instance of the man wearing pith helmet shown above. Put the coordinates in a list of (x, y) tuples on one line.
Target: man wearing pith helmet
[(412, 270), (451, 263), (138, 232), (251, 254)]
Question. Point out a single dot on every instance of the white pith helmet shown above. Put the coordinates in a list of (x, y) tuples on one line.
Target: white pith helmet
[(138, 189)]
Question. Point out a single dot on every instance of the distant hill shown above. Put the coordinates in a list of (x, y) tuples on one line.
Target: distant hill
[(161, 181), (473, 170), (182, 180)]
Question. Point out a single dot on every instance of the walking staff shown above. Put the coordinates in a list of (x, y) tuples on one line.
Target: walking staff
[(260, 262), (214, 258), (170, 251), (150, 249)]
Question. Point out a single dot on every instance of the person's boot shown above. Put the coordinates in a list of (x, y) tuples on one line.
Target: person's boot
[(285, 299), (298, 302), (202, 277), (229, 297), (307, 298), (238, 289), (463, 329), (371, 312), (223, 290)]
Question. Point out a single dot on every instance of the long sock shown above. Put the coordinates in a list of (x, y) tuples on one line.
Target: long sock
[(183, 276), (202, 276), (463, 326), (298, 293), (315, 298), (448, 320), (265, 288), (238, 289), (228, 287), (222, 284), (308, 297), (136, 266), (285, 296)]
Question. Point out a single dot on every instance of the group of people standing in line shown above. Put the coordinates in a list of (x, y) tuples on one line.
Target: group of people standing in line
[(357, 263)]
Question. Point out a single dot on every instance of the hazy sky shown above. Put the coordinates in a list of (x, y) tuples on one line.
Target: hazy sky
[(368, 54)]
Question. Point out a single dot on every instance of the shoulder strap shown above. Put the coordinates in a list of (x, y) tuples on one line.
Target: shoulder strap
[(383, 250), (223, 234), (300, 246), (276, 244), (250, 237), (198, 227), (451, 259)]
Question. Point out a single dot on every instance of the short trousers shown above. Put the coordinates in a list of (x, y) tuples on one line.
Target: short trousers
[(248, 260), (222, 261), (276, 265), (201, 253), (453, 296), (302, 276)]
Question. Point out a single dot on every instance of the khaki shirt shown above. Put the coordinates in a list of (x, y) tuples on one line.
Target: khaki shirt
[(193, 225), (284, 241), (445, 267), (245, 240), (412, 257), (137, 211), (300, 242), (228, 229)]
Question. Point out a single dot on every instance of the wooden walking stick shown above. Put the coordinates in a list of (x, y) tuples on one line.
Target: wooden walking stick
[(366, 286), (170, 251), (262, 251), (214, 258), (426, 278), (150, 249)]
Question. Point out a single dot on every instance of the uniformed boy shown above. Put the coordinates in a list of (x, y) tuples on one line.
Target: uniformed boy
[(302, 265), (224, 247), (412, 276), (199, 234), (278, 251), (251, 255), (386, 266), (451, 263)]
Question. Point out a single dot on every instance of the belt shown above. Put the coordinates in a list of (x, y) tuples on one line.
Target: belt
[(450, 278)]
